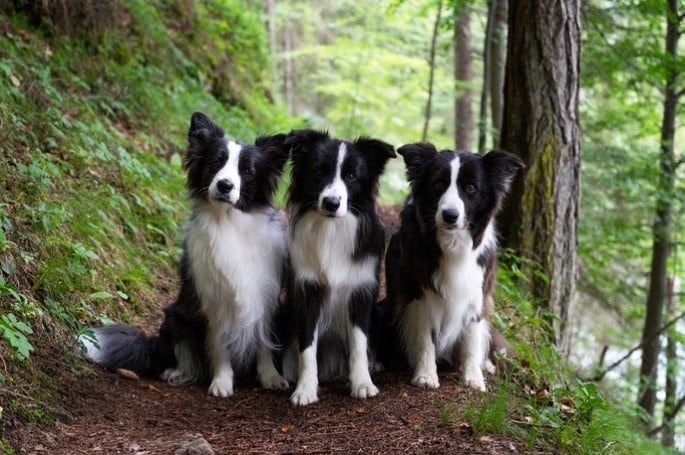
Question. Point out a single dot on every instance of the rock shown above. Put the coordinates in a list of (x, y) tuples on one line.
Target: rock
[(194, 444)]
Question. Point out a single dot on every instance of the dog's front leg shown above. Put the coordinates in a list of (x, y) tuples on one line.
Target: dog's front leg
[(357, 329), (420, 345), (307, 298), (268, 376), (222, 369), (475, 343)]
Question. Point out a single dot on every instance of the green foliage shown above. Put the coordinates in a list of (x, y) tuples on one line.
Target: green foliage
[(15, 331), (539, 400)]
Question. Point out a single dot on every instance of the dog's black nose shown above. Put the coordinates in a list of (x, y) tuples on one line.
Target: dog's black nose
[(450, 216), (330, 203), (224, 186)]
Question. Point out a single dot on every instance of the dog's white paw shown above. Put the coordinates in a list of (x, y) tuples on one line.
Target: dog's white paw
[(273, 381), (304, 396), (489, 367), (174, 376), (221, 386), (366, 390), (426, 381), (473, 378)]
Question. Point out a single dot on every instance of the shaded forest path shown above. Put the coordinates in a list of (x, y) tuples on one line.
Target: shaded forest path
[(101, 412)]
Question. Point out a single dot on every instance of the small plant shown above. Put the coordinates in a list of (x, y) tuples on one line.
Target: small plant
[(14, 331)]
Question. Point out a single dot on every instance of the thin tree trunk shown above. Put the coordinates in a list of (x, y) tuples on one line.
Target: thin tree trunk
[(487, 61), (541, 125), (288, 68), (463, 119), (661, 232), (668, 421), (436, 29), (498, 56), (270, 7)]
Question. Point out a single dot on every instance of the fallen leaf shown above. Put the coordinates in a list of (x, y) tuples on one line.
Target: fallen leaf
[(15, 80), (485, 439), (127, 374), (287, 428), (153, 388)]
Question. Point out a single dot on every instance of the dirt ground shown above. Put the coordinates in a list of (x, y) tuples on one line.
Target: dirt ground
[(101, 412)]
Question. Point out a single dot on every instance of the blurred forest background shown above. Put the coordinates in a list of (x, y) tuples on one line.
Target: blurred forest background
[(95, 99)]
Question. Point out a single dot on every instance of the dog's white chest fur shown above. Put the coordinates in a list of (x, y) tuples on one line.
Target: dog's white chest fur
[(321, 250), (235, 262), (458, 281)]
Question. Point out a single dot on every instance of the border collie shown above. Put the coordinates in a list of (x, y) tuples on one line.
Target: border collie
[(231, 272), (335, 245), (441, 264)]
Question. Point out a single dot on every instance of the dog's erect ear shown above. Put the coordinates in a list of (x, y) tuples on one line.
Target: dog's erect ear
[(501, 168), (275, 149), (416, 156), (202, 128), (300, 141), (378, 153), (201, 132)]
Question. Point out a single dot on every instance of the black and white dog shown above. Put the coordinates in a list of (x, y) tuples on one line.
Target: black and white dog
[(231, 271), (335, 244), (441, 265)]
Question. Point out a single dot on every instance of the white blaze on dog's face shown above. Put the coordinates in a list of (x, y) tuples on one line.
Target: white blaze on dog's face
[(334, 196), (225, 186), (451, 212)]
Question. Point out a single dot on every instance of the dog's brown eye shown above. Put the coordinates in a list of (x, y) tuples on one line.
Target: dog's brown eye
[(350, 177), (438, 187), (470, 189)]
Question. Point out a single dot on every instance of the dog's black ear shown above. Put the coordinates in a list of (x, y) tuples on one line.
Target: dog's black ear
[(416, 156), (202, 128), (275, 149), (377, 151), (300, 141), (501, 168), (201, 132)]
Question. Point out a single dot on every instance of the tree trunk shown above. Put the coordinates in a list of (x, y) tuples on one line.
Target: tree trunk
[(661, 232), (541, 125), (431, 74), (668, 432), (463, 118), (497, 56), (288, 68), (270, 6), (483, 111)]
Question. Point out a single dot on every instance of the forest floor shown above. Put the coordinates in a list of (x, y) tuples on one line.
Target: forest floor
[(100, 412)]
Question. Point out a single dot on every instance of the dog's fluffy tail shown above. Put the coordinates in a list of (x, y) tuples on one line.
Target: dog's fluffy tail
[(120, 346)]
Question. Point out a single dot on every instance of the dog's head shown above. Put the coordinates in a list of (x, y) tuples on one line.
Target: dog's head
[(458, 192), (333, 176), (225, 172)]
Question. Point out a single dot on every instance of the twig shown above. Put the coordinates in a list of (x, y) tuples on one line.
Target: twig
[(600, 375)]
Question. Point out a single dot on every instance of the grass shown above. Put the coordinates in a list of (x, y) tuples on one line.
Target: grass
[(93, 123)]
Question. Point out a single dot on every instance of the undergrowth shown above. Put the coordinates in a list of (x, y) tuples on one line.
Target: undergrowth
[(538, 399), (95, 102)]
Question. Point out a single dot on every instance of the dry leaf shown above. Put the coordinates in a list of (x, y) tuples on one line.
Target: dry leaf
[(127, 374), (287, 428), (543, 394), (15, 80), (485, 439)]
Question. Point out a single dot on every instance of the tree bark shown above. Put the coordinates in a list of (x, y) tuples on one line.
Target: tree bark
[(463, 118), (661, 231), (270, 7), (541, 125), (431, 74), (497, 56), (288, 69), (483, 110), (668, 420)]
